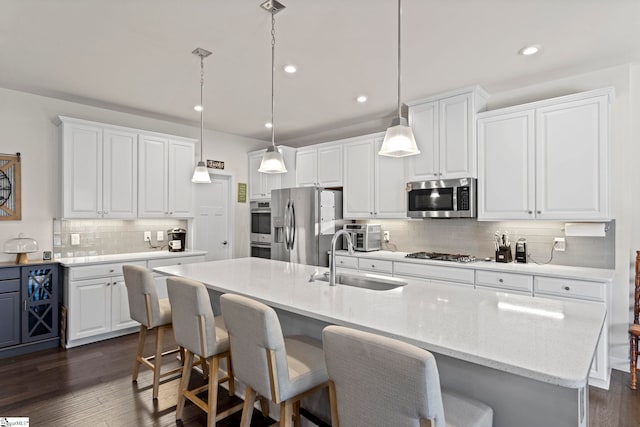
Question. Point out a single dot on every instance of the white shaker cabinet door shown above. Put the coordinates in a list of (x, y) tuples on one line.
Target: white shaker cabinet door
[(307, 167), (82, 172), (506, 166), (120, 316), (457, 153), (359, 169), (89, 308), (390, 195), (152, 177), (120, 174), (182, 163), (329, 166), (257, 185), (423, 120), (572, 160)]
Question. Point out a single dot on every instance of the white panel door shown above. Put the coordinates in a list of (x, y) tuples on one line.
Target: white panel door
[(182, 163), (390, 196), (120, 174), (120, 315), (153, 177), (423, 120), (457, 154), (506, 167), (572, 160), (306, 167), (82, 174), (89, 308), (358, 173), (212, 225), (329, 166)]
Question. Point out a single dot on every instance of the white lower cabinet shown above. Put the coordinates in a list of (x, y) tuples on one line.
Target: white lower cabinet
[(97, 301), (518, 283)]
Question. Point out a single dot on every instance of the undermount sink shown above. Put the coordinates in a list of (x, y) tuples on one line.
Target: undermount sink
[(374, 283)]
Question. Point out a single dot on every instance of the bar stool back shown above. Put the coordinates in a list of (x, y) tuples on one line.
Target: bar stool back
[(200, 333), (152, 313), (379, 381), (283, 370)]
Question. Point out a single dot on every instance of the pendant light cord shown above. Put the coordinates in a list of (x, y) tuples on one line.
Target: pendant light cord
[(273, 72), (201, 103), (399, 53)]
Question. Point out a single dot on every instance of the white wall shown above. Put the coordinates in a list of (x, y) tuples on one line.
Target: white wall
[(27, 126)]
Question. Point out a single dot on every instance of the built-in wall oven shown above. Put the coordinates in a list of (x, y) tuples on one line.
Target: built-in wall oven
[(261, 229)]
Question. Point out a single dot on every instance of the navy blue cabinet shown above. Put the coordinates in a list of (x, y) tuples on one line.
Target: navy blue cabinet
[(10, 306)]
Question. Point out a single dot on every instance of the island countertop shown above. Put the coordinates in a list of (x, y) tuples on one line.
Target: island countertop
[(552, 341)]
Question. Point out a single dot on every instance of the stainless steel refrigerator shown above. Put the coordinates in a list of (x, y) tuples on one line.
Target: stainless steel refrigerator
[(303, 221)]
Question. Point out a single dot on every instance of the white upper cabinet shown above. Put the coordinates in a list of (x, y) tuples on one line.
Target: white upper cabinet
[(374, 186), (165, 169), (99, 170), (444, 128), (546, 160), (261, 184), (319, 165)]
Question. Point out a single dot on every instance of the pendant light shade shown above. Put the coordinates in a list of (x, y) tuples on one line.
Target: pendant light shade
[(201, 173), (272, 160), (399, 140)]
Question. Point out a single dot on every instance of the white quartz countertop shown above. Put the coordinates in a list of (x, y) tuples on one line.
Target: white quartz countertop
[(562, 271), (547, 340), (135, 256)]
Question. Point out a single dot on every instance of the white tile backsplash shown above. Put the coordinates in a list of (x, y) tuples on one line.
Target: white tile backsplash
[(472, 237)]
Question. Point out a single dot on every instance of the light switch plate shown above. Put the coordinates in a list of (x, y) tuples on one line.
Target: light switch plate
[(560, 244), (147, 236), (160, 236), (75, 239)]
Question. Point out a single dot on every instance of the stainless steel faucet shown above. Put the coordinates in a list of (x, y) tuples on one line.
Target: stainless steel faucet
[(332, 264)]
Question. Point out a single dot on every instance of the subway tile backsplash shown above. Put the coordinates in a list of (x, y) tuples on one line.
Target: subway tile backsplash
[(472, 237), (108, 236)]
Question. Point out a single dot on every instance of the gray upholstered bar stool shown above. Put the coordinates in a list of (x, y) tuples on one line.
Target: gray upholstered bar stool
[(283, 370), (200, 333), (380, 381), (152, 313)]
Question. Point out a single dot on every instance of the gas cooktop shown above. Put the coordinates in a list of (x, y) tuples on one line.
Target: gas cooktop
[(442, 257)]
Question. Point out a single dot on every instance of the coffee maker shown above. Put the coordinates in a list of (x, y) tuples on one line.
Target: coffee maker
[(521, 251), (177, 239)]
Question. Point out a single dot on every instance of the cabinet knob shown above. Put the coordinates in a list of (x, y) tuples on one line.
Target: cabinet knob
[(501, 280), (341, 262), (530, 212), (111, 271), (179, 263), (373, 266), (99, 212), (566, 288), (539, 212)]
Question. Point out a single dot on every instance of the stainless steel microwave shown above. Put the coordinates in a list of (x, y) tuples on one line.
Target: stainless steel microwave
[(444, 198)]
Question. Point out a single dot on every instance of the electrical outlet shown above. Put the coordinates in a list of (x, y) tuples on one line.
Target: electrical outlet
[(75, 239), (385, 236), (160, 236), (147, 236), (560, 244)]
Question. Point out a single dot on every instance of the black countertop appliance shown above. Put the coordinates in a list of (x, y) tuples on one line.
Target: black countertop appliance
[(177, 239)]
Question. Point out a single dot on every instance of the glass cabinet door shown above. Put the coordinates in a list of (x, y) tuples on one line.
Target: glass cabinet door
[(40, 302)]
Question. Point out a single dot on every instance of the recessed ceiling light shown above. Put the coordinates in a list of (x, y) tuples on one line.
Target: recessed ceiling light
[(361, 99), (198, 108), (290, 69), (529, 50), (268, 125)]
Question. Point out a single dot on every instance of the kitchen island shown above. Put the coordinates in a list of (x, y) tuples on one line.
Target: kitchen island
[(528, 358)]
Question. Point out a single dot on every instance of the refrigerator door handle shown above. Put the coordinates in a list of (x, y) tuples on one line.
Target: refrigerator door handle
[(286, 225), (292, 219)]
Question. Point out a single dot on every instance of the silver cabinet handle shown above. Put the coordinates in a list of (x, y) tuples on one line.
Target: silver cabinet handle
[(501, 280), (566, 288), (373, 266), (530, 212), (225, 243), (111, 271), (539, 212), (25, 305)]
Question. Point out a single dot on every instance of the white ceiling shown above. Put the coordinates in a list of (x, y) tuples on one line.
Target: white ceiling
[(135, 55)]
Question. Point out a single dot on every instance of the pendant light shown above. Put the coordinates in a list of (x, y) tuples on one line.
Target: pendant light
[(272, 160), (399, 140), (201, 173)]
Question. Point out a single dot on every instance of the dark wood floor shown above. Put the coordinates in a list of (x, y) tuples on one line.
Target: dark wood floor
[(91, 386)]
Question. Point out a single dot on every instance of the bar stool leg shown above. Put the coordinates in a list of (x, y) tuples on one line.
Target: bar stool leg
[(157, 361), (296, 414), (634, 361), (286, 414), (212, 400), (142, 335), (184, 382), (231, 383), (247, 408)]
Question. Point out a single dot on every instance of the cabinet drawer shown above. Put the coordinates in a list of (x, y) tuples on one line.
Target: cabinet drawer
[(9, 273), (346, 262), (9, 286), (100, 270), (451, 274), (594, 291), (495, 279), (175, 261), (377, 265)]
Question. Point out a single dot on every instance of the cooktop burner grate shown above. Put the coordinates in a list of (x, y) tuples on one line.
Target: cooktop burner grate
[(438, 256)]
